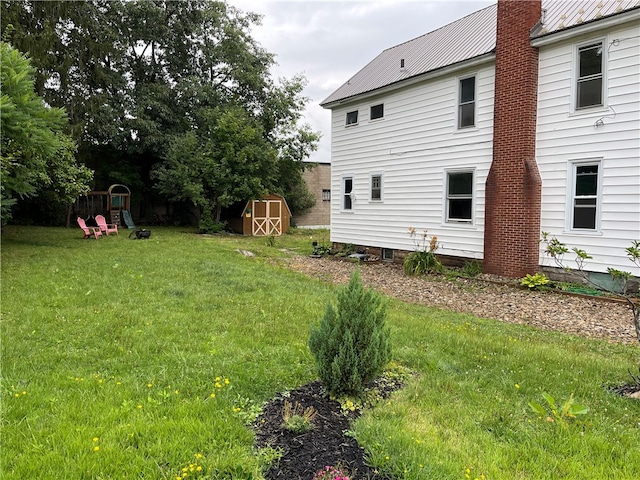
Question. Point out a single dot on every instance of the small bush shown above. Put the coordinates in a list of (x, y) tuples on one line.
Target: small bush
[(270, 241), (423, 260), (351, 343), (535, 282), (298, 419), (208, 224), (472, 268), (331, 473)]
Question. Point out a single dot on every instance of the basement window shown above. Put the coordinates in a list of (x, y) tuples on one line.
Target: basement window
[(387, 254)]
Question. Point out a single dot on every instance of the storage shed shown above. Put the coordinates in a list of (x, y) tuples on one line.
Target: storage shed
[(269, 215)]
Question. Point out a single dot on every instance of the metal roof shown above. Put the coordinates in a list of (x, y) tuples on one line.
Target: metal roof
[(563, 14), (465, 39)]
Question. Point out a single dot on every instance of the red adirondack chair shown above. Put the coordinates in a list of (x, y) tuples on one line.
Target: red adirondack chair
[(106, 227), (88, 231)]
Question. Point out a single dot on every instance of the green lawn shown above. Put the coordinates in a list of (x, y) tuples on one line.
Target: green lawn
[(138, 359)]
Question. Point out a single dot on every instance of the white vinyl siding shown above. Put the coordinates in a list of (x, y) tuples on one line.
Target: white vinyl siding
[(566, 137), (414, 147)]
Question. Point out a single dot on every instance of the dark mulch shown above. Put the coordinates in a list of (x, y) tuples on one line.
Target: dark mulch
[(304, 454)]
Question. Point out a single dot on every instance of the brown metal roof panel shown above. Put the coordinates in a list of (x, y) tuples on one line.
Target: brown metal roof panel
[(563, 14), (469, 37)]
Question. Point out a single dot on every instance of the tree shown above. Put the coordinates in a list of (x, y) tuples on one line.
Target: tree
[(351, 343), (226, 159), (556, 249), (36, 155), (138, 76)]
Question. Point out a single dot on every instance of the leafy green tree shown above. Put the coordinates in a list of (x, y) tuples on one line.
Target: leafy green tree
[(36, 155), (226, 159), (137, 76), (351, 343), (77, 51)]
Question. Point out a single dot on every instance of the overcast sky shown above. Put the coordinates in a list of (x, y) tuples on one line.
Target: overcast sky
[(329, 41)]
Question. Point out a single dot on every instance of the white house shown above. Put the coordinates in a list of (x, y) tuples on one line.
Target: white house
[(520, 118)]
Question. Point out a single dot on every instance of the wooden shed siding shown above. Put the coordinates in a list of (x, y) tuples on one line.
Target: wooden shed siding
[(411, 147), (564, 136)]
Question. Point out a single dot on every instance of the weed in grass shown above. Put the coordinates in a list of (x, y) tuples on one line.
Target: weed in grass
[(270, 241), (246, 410), (568, 412)]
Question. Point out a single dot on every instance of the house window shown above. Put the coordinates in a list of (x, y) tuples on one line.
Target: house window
[(459, 197), (376, 187), (589, 86), (585, 195), (326, 195), (347, 189), (467, 102), (352, 118), (387, 254), (377, 111)]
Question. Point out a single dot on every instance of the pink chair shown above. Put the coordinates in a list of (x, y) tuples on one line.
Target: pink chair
[(106, 227), (88, 231)]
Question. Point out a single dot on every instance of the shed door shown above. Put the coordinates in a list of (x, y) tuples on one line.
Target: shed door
[(267, 219)]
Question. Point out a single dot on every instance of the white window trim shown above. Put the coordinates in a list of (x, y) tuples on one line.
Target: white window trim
[(346, 115), (376, 200), (445, 199), (459, 79), (576, 73), (343, 178), (571, 186), (379, 118)]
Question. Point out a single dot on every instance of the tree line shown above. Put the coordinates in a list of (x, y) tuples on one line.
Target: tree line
[(172, 98)]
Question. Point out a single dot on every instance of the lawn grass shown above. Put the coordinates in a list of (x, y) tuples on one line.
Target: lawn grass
[(138, 359)]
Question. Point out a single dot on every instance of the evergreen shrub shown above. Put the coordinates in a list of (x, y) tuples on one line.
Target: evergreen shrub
[(351, 343)]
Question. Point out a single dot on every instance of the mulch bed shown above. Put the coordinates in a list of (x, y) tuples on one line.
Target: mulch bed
[(326, 445)]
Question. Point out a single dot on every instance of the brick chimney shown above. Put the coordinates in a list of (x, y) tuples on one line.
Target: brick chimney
[(513, 188)]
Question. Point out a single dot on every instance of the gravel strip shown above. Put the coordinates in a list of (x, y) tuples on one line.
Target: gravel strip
[(485, 296)]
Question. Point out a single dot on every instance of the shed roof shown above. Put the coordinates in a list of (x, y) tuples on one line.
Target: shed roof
[(467, 38)]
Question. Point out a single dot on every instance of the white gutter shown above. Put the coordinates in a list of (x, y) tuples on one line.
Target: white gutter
[(485, 58), (612, 21)]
